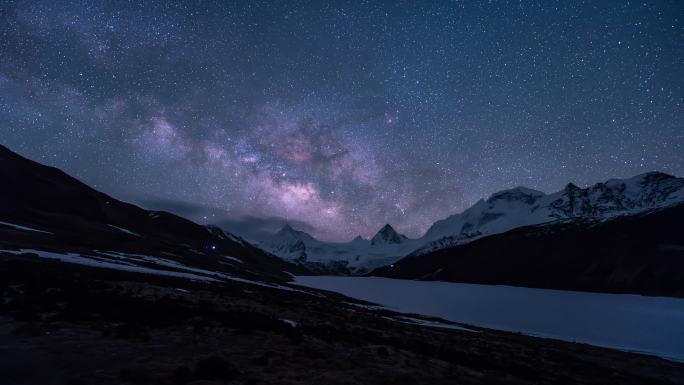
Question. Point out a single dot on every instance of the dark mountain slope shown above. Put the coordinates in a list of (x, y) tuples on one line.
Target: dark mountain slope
[(76, 218), (641, 253)]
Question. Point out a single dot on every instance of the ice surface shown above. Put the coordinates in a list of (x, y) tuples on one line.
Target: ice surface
[(650, 325)]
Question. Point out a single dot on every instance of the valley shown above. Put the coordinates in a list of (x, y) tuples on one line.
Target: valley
[(341, 192), (99, 291)]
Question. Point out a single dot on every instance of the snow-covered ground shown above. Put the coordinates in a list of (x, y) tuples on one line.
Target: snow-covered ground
[(121, 265), (650, 325), (24, 228), (131, 262), (129, 232)]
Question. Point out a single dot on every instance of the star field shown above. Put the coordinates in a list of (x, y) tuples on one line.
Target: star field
[(338, 117)]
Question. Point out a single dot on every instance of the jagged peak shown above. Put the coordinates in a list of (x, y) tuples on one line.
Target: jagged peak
[(642, 179), (387, 227), (387, 234), (288, 230), (290, 233)]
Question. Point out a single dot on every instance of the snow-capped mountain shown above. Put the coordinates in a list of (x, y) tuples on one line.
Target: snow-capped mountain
[(357, 257), (289, 244), (509, 209), (641, 253), (387, 236), (501, 212)]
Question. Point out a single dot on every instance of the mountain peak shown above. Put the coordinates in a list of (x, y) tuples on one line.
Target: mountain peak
[(519, 193), (655, 176), (387, 235), (288, 234), (659, 174), (387, 227)]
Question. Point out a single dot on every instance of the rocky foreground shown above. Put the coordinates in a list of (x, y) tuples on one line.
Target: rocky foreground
[(69, 324)]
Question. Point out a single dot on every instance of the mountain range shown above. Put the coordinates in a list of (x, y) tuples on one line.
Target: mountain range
[(356, 257), (503, 211), (96, 290), (621, 235), (517, 207)]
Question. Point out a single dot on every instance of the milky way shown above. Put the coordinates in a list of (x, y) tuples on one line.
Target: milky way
[(338, 117)]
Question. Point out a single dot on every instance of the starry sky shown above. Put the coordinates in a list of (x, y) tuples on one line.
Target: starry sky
[(340, 116)]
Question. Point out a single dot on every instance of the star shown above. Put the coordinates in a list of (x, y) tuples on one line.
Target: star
[(340, 119)]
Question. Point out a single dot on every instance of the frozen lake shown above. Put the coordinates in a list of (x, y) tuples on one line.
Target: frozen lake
[(651, 325)]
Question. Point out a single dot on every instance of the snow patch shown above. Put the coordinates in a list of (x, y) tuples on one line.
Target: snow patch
[(423, 322), (89, 261), (289, 322), (24, 228), (124, 230), (127, 262)]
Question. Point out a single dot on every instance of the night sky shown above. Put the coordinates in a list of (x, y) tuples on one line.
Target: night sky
[(340, 117)]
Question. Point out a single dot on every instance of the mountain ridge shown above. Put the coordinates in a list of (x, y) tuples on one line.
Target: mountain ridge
[(357, 256), (641, 253), (521, 206), (387, 235), (502, 211), (46, 212)]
